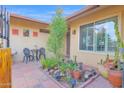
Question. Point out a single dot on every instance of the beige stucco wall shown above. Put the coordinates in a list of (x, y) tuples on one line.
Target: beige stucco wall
[(17, 43), (87, 57)]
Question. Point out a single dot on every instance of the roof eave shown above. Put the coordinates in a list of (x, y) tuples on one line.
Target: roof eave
[(27, 18), (84, 12)]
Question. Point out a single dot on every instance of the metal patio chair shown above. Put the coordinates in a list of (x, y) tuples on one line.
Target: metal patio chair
[(32, 55), (42, 52), (27, 55)]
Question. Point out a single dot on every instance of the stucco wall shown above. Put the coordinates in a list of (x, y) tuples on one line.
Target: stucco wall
[(18, 43), (87, 57)]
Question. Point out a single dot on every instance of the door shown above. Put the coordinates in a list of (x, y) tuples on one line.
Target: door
[(68, 44)]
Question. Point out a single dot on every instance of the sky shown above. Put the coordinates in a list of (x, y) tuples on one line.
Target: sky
[(42, 12)]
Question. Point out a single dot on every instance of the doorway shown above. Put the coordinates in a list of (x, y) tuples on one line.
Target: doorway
[(68, 44)]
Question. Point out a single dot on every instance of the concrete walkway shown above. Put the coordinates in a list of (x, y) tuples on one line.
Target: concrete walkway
[(30, 76)]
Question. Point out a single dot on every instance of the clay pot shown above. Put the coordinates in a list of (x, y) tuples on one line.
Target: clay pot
[(76, 74), (110, 64), (115, 77)]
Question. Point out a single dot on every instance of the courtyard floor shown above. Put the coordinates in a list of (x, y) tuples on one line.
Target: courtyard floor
[(30, 76)]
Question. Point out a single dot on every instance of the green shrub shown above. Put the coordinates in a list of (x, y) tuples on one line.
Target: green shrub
[(43, 62), (49, 62), (72, 65), (58, 29), (63, 67), (67, 66)]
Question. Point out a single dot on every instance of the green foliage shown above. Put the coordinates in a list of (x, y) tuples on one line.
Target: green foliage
[(120, 43), (58, 29), (63, 67), (49, 63), (72, 66), (67, 66), (68, 79)]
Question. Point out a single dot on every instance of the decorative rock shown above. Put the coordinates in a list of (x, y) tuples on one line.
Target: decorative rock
[(51, 71), (87, 75), (55, 68), (80, 66), (57, 75), (94, 72), (62, 74)]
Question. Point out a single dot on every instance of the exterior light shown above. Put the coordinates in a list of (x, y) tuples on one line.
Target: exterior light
[(74, 32)]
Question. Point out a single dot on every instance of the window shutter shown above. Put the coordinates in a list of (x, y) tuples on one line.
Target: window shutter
[(35, 34), (15, 32)]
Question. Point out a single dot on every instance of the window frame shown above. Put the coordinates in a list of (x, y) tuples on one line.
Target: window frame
[(119, 16), (24, 31)]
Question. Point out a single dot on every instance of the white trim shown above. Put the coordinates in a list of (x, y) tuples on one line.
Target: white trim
[(78, 38), (103, 18), (96, 52)]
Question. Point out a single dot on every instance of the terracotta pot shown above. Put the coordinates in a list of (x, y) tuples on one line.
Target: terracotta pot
[(110, 64), (76, 74), (115, 77)]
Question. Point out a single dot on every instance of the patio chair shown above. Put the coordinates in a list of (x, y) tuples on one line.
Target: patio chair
[(32, 56), (42, 52), (38, 53), (27, 55)]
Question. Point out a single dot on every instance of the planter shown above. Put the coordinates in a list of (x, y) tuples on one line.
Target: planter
[(110, 64), (103, 71), (115, 77), (76, 74)]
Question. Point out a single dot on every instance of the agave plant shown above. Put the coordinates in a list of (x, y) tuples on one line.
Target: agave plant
[(49, 62)]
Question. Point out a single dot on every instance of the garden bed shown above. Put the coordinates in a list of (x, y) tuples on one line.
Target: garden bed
[(79, 83)]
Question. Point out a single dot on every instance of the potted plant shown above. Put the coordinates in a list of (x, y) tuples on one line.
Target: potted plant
[(115, 74), (115, 77), (75, 71), (76, 74), (109, 63)]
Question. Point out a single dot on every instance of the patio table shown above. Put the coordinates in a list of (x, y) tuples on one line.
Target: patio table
[(34, 53)]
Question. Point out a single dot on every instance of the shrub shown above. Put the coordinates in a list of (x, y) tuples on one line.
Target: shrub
[(58, 29), (49, 62), (63, 67), (72, 65)]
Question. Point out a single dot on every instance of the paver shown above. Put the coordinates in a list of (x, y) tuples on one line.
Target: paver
[(31, 76)]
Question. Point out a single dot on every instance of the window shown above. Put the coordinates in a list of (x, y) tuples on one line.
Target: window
[(98, 36), (86, 37), (25, 32)]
